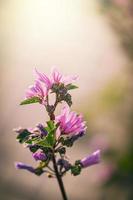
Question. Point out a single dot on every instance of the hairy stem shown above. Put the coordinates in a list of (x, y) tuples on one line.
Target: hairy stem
[(57, 174), (59, 179)]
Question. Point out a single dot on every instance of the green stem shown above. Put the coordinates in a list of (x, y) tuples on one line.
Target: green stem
[(58, 176), (59, 179)]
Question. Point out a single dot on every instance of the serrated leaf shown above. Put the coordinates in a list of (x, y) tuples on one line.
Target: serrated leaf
[(71, 87), (23, 136), (30, 101)]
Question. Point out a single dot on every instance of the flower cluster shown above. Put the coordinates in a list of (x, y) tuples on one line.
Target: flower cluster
[(48, 142), (56, 83)]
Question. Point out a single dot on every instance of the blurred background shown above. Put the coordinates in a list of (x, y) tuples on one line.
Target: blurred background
[(92, 39)]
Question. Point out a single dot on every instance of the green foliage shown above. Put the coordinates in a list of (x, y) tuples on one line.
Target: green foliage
[(50, 139), (23, 136), (51, 125), (62, 92), (71, 87), (34, 148), (30, 101)]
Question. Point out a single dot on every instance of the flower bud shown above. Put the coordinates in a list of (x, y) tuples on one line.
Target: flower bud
[(39, 156), (20, 165), (64, 164), (92, 159)]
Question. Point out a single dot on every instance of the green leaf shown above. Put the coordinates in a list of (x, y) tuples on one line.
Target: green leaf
[(51, 125), (48, 141), (30, 101), (33, 149), (44, 143), (51, 138), (23, 136), (71, 87), (29, 141)]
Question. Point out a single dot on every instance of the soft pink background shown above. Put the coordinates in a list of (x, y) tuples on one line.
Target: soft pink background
[(75, 37)]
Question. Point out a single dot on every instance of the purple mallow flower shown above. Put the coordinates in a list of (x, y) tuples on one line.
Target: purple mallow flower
[(39, 156), (44, 79), (20, 165), (92, 159), (37, 90), (70, 123), (44, 83), (55, 78)]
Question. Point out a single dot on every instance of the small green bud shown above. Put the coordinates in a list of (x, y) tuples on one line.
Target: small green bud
[(75, 170)]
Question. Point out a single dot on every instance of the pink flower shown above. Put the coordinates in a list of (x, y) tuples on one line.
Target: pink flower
[(92, 159), (58, 78), (55, 78), (37, 90), (70, 123), (43, 78)]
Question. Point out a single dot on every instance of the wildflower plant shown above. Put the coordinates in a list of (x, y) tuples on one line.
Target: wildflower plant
[(48, 142)]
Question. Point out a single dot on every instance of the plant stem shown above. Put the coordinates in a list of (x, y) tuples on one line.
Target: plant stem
[(58, 176), (59, 179)]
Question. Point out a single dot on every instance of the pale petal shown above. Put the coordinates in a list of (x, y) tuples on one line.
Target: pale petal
[(43, 78)]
